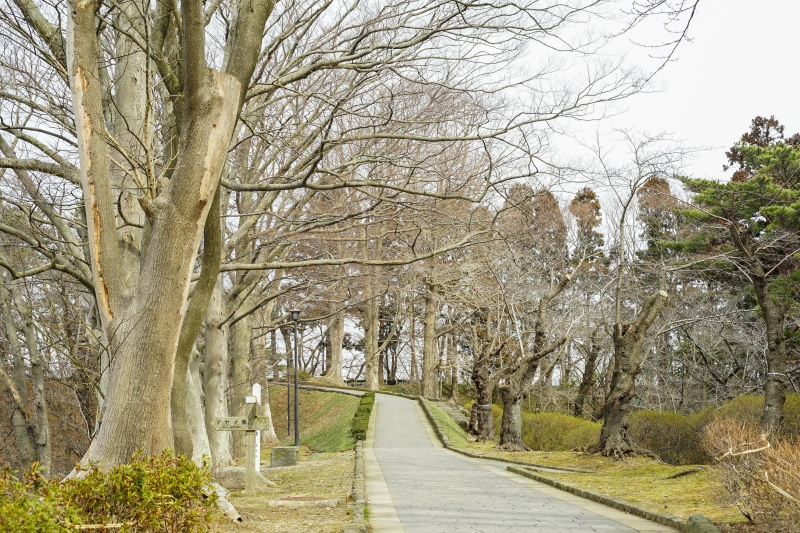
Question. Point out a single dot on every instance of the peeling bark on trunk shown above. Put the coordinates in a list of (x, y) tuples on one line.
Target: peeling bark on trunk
[(146, 331), (430, 355)]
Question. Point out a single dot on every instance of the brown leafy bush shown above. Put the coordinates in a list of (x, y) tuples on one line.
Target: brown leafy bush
[(758, 474)]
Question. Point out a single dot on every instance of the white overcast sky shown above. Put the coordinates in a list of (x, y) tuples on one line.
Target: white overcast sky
[(741, 62)]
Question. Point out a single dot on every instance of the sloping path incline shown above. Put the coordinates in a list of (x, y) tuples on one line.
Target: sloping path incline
[(413, 485)]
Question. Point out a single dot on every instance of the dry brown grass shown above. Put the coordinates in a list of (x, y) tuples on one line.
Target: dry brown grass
[(758, 474), (328, 475)]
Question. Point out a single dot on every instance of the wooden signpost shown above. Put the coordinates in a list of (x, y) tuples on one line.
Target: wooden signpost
[(251, 424)]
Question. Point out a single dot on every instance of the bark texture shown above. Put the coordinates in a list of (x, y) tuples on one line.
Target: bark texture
[(588, 376), (215, 378), (333, 374), (628, 340), (142, 320), (519, 376), (182, 396), (430, 351)]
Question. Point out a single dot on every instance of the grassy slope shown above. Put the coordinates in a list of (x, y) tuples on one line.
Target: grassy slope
[(324, 419), (458, 437)]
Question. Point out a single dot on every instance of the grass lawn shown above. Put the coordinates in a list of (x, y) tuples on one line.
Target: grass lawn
[(638, 480)]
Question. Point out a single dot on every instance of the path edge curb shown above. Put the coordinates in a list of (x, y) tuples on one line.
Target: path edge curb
[(358, 525), (620, 505)]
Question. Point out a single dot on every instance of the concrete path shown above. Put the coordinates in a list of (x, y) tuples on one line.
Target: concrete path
[(413, 485)]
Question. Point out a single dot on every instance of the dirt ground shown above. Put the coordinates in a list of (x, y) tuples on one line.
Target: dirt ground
[(324, 475)]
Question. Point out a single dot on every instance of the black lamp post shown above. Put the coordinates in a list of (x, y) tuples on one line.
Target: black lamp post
[(295, 317), (289, 365)]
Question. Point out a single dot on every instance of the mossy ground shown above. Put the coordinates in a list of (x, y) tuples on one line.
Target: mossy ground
[(638, 480)]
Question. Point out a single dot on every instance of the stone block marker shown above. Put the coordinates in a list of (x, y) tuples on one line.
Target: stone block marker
[(284, 456), (698, 523)]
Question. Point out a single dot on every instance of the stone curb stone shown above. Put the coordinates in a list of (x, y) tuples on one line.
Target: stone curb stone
[(359, 494), (698, 523), (616, 503)]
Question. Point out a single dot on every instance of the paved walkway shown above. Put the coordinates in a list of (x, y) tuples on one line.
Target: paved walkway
[(413, 485)]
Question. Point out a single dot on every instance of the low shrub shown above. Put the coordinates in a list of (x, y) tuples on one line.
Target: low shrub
[(747, 409), (148, 495), (550, 431), (360, 422), (558, 432), (33, 504), (760, 477), (676, 438)]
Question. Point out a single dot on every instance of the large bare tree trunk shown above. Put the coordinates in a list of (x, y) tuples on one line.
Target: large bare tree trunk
[(588, 377), (371, 352), (268, 435), (215, 378), (195, 415), (628, 340), (24, 433), (39, 429), (481, 419), (143, 325), (335, 337), (453, 359), (519, 377), (430, 353), (241, 375), (182, 395), (774, 316), (128, 124)]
